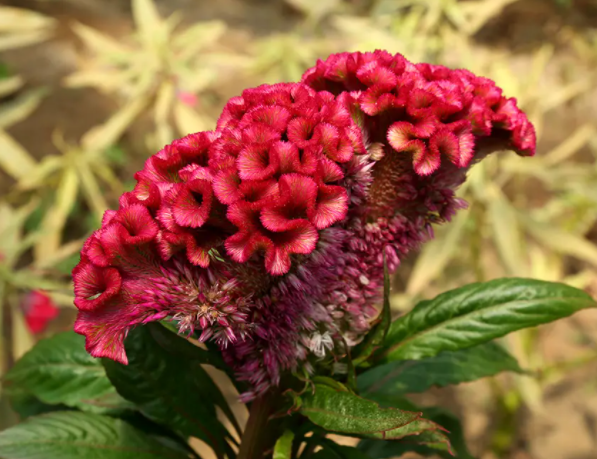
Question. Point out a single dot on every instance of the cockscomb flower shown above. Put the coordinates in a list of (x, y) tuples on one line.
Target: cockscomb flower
[(268, 235)]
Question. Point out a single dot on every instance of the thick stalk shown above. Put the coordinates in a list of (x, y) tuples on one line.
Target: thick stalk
[(255, 437)]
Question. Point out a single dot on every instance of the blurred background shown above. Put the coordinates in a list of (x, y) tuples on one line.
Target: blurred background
[(90, 88)]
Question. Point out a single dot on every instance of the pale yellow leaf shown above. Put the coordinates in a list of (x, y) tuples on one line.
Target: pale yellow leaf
[(10, 85), (562, 242), (97, 41), (482, 12), (562, 95), (40, 173), (65, 251), (20, 108), (505, 231), (188, 120), (108, 133), (11, 230), (436, 255), (53, 222), (64, 300), (8, 42), (164, 99), (22, 338), (147, 19), (104, 80), (197, 37), (14, 159), (570, 146), (91, 189), (20, 20)]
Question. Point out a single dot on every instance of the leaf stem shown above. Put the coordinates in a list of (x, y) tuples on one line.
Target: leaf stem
[(255, 437)]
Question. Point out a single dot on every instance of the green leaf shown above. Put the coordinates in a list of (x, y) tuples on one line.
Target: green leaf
[(170, 389), (76, 435), (413, 376), (346, 413), (477, 313), (379, 449), (283, 448), (379, 331), (27, 405), (58, 370)]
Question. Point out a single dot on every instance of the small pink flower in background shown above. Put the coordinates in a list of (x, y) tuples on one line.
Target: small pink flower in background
[(38, 309), (187, 98), (268, 235)]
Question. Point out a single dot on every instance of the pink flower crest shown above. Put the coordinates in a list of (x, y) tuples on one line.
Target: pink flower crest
[(268, 235)]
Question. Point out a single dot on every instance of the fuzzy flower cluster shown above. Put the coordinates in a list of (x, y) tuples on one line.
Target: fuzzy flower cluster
[(268, 235)]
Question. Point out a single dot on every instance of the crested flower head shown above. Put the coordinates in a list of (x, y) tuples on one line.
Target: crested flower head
[(268, 235)]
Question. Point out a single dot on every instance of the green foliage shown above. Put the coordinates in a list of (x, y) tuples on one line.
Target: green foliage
[(412, 376), (477, 313), (75, 435), (59, 371), (185, 402)]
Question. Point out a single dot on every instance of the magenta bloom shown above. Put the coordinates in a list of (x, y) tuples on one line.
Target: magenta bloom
[(268, 234)]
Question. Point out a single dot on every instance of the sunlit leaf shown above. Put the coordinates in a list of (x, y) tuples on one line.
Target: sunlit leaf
[(55, 219), (436, 254), (10, 85), (108, 133), (505, 231), (477, 313), (562, 242), (147, 19), (14, 159)]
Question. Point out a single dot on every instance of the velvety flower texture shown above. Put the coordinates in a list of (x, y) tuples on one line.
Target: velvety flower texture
[(268, 234)]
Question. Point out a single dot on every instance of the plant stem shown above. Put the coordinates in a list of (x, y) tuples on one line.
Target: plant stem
[(254, 440)]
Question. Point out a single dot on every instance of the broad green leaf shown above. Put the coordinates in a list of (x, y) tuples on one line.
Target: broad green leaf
[(476, 313), (58, 370), (27, 405), (380, 329), (170, 389), (346, 413), (14, 159), (412, 376), (75, 435), (379, 449), (283, 447)]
